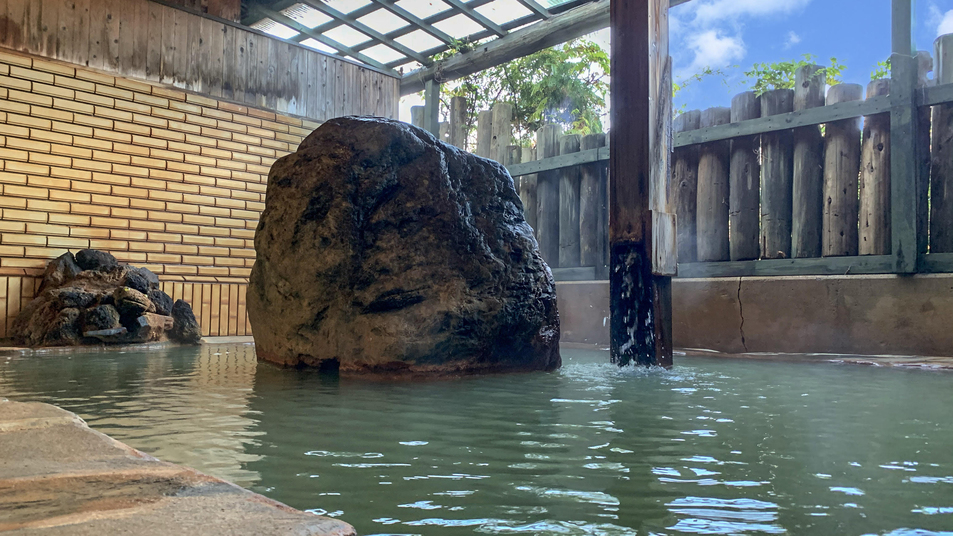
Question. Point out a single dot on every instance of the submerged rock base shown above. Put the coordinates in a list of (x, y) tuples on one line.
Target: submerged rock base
[(62, 478), (382, 250), (90, 298)]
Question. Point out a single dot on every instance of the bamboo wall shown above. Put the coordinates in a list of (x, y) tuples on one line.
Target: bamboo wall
[(159, 176)]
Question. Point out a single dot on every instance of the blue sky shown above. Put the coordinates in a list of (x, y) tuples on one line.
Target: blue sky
[(719, 33)]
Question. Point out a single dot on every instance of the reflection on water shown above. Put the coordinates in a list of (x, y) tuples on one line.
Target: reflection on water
[(712, 447)]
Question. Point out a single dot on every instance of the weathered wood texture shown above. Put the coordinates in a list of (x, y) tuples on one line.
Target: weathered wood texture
[(639, 185), (744, 177), (569, 183), (528, 190), (685, 178), (941, 176), (547, 215), (593, 210), (777, 177), (159, 43), (484, 134), (501, 130), (712, 208), (841, 170), (458, 122), (874, 233), (808, 187)]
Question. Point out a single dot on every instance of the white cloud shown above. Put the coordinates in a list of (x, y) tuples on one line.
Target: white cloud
[(946, 24), (714, 49), (793, 39)]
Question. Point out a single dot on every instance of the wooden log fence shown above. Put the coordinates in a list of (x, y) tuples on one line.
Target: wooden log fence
[(786, 183)]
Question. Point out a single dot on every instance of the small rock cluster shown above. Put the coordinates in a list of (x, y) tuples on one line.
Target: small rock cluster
[(90, 298)]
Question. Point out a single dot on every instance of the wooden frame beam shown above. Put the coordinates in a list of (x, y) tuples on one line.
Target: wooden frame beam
[(534, 6), (414, 20)]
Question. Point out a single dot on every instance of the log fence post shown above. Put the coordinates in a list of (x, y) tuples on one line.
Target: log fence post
[(711, 218), (744, 181), (841, 170), (777, 177), (685, 178), (808, 187), (874, 234), (569, 184)]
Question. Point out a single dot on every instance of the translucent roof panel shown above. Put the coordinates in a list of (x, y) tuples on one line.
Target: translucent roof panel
[(419, 41), (346, 6), (346, 35), (383, 21), (382, 53), (423, 8), (273, 28), (317, 45), (306, 15), (459, 26), (503, 11)]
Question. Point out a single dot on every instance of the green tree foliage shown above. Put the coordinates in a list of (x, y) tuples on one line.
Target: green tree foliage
[(881, 70), (780, 75), (566, 84)]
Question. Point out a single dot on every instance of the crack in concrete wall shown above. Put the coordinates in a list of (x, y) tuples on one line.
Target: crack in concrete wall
[(741, 313)]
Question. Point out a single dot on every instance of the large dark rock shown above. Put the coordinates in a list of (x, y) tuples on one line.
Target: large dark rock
[(100, 317), (94, 259), (185, 328), (162, 301), (383, 250)]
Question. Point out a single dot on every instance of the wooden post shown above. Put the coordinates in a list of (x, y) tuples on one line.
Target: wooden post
[(685, 177), (711, 218), (640, 301), (593, 210), (484, 133), (875, 179), (417, 116), (432, 107), (528, 190), (777, 177), (941, 177), (744, 178), (569, 247), (841, 169), (502, 131), (458, 122), (547, 188), (924, 66), (905, 154), (808, 190)]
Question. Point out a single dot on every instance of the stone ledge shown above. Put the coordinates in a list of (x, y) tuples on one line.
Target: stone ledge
[(58, 476)]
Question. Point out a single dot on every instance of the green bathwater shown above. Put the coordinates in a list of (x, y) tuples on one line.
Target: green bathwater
[(711, 447)]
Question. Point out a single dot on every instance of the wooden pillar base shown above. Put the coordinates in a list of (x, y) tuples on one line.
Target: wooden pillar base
[(642, 334)]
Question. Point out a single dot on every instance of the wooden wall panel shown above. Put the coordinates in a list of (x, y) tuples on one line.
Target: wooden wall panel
[(155, 42)]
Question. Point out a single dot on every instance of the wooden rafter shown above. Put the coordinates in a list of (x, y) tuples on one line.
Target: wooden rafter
[(476, 16), (534, 6), (414, 20)]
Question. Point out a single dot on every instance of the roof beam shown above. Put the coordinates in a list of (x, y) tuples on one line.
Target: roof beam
[(480, 19), (415, 20), (554, 31), (361, 27), (534, 6), (321, 38)]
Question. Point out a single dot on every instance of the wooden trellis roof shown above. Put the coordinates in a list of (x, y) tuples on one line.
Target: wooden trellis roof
[(396, 36)]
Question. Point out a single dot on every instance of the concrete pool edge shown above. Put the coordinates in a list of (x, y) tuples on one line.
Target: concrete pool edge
[(58, 476)]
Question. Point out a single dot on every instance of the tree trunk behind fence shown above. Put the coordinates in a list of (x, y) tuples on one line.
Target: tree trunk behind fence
[(712, 206), (528, 190), (547, 188), (593, 212), (744, 178), (417, 116), (569, 248), (841, 170), (484, 133), (808, 189), (685, 179), (941, 176), (777, 177), (875, 238), (502, 131), (458, 122)]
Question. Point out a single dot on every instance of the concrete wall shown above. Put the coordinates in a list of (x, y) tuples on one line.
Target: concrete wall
[(868, 315)]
